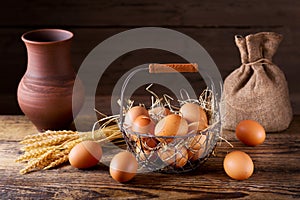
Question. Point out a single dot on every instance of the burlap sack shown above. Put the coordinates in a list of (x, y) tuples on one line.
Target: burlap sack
[(258, 89)]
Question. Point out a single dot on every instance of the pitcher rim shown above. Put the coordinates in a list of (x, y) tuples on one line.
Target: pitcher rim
[(69, 37)]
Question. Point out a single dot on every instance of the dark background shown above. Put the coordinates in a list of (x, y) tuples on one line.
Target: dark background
[(212, 23)]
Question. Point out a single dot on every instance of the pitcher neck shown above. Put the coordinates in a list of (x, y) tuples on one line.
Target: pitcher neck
[(50, 60)]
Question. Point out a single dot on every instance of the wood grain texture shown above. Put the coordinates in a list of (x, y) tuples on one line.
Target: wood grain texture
[(149, 13), (218, 42), (276, 174), (211, 23)]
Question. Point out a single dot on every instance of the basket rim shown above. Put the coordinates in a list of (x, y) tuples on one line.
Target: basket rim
[(192, 133)]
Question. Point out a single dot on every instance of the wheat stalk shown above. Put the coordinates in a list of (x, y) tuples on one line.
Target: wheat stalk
[(29, 139), (49, 142), (57, 162), (38, 162), (51, 148), (33, 153)]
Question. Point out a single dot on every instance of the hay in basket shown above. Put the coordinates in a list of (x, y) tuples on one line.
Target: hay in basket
[(173, 154)]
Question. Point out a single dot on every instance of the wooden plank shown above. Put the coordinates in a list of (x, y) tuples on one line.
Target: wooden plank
[(14, 128), (275, 177), (131, 13), (217, 41)]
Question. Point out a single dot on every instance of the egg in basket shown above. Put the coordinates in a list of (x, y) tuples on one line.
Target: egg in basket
[(168, 138)]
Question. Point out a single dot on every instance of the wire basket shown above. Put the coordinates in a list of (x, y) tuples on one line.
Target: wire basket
[(173, 154)]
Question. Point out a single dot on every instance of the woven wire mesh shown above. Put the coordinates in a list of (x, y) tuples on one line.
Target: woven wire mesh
[(172, 154), (175, 154)]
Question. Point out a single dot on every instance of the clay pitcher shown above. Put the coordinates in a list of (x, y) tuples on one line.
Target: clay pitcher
[(45, 91)]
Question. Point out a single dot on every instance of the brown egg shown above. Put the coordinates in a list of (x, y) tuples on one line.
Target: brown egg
[(146, 155), (195, 154), (143, 124), (147, 143), (133, 113), (174, 156), (85, 154), (160, 111), (171, 125), (197, 126), (192, 112), (197, 142), (123, 167), (238, 165), (196, 147), (250, 132)]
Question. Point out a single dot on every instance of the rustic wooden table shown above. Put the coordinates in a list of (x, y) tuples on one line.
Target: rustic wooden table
[(276, 175)]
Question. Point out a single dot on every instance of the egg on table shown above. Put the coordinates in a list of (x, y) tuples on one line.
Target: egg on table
[(123, 167), (250, 132), (85, 154), (238, 165)]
